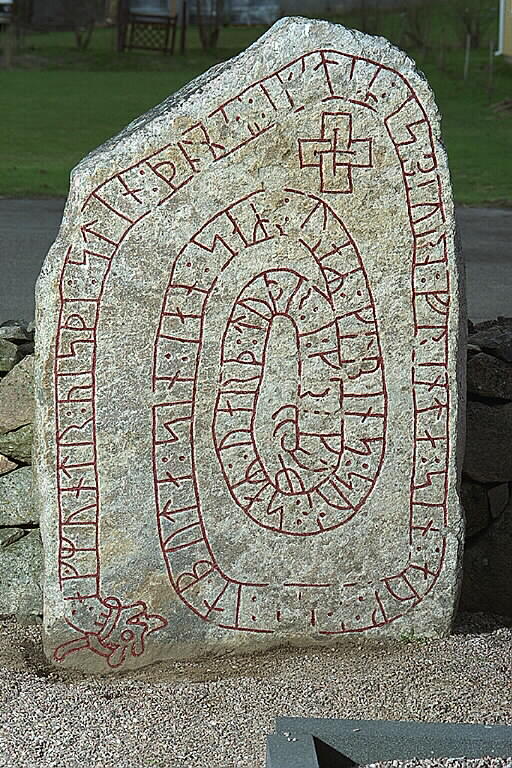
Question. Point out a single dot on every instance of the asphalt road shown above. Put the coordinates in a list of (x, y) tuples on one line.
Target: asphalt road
[(28, 227)]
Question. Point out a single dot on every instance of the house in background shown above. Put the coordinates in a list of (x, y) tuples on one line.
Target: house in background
[(268, 11), (250, 12), (56, 13), (240, 11), (505, 42)]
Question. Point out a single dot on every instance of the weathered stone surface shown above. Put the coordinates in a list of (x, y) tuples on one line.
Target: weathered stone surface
[(17, 445), (15, 331), (476, 506), (16, 498), (6, 465), (17, 396), (487, 585), (9, 536), (27, 349), (9, 355), (488, 457), (496, 339), (484, 325), (499, 496), (248, 434), (489, 376), (20, 576)]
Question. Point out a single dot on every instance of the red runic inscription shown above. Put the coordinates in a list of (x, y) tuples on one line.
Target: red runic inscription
[(315, 463)]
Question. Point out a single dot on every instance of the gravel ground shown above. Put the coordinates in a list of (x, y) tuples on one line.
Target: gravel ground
[(216, 713)]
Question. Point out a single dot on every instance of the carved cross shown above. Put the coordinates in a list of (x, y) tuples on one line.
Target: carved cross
[(336, 152)]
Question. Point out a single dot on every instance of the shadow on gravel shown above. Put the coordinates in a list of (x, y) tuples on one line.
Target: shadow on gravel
[(479, 623), (22, 650), (35, 660)]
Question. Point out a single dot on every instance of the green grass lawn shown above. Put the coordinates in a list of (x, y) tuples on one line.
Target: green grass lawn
[(52, 119), (57, 104)]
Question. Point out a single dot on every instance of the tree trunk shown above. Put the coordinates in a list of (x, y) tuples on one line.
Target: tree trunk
[(9, 45), (82, 16), (209, 22)]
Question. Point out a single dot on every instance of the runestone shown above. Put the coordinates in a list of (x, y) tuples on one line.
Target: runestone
[(249, 376)]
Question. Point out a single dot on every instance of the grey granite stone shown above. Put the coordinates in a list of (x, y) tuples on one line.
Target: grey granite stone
[(6, 465), (10, 535), (16, 499), (16, 332), (9, 355), (485, 325), (488, 457), (476, 506), (249, 359), (17, 396), (489, 376), (497, 339), (499, 496), (17, 445), (487, 560), (20, 576), (27, 349)]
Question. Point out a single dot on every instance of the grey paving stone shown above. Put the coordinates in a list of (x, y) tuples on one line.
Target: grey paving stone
[(369, 741)]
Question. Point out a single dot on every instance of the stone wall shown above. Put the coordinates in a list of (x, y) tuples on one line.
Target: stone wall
[(20, 543), (486, 483), (487, 478)]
